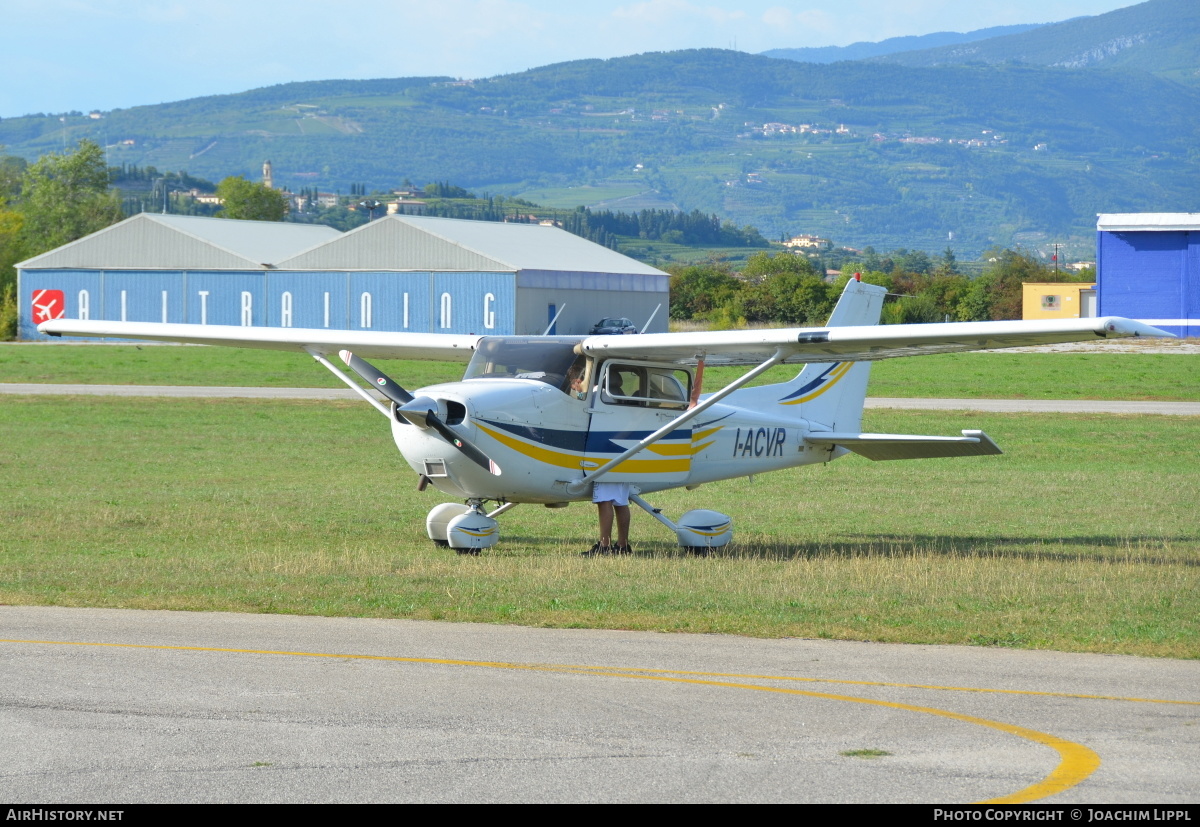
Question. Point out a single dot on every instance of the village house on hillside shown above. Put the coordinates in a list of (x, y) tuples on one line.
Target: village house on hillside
[(808, 242)]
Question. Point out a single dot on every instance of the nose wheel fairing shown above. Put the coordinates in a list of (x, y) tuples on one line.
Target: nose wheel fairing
[(464, 528)]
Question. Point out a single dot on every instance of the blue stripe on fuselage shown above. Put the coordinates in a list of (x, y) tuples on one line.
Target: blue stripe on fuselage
[(602, 442), (810, 385), (593, 442), (550, 437)]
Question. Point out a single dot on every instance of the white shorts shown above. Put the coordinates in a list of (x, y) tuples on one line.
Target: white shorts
[(617, 492)]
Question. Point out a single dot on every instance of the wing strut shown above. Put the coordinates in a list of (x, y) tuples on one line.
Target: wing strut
[(579, 486), (550, 326), (646, 326)]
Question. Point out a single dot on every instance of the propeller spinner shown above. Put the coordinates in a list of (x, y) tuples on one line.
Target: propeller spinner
[(419, 411)]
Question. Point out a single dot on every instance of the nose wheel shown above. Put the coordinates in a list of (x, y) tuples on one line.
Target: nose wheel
[(465, 528)]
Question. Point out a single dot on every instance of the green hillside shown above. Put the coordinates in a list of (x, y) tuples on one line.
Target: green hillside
[(1159, 36), (865, 153), (909, 43)]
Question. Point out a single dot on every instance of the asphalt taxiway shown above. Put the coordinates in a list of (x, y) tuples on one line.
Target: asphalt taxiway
[(122, 706)]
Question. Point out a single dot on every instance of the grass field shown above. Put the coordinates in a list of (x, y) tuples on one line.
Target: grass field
[(1162, 376), (585, 196), (1082, 537)]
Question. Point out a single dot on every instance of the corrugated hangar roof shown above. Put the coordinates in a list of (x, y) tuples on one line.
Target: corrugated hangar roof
[(1148, 221), (409, 242), (148, 241)]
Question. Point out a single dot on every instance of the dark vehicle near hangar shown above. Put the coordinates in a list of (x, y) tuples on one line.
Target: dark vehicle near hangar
[(613, 326)]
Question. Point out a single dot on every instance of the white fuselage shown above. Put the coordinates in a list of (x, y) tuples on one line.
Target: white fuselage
[(544, 439)]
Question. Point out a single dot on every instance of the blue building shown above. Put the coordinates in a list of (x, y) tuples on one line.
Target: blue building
[(1148, 268), (399, 273)]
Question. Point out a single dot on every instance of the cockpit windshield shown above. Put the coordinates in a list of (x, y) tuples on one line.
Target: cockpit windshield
[(541, 358)]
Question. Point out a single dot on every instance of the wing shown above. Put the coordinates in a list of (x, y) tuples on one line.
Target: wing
[(858, 343), (366, 343)]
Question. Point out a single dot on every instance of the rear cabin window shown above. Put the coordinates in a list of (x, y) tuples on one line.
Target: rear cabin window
[(646, 386)]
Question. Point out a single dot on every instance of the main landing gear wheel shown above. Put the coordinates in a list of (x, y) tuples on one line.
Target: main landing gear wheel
[(701, 531), (698, 532)]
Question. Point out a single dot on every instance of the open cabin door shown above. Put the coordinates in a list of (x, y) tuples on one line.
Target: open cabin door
[(630, 401)]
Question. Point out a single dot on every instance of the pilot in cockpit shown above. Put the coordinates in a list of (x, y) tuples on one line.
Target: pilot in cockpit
[(576, 379)]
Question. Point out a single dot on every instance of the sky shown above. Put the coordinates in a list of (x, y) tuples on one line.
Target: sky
[(67, 55)]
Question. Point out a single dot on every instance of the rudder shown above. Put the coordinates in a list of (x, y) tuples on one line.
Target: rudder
[(831, 394)]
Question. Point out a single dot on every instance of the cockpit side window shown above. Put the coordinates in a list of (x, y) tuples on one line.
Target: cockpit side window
[(578, 376)]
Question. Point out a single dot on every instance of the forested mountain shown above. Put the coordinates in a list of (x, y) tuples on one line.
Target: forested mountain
[(865, 153), (863, 50), (1159, 36)]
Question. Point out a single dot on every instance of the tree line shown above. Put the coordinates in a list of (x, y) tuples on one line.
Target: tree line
[(694, 228), (790, 289), (63, 197), (46, 204)]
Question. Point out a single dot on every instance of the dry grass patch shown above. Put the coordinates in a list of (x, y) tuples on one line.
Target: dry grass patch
[(1082, 537)]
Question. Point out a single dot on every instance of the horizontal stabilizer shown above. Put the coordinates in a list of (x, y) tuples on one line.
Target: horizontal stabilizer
[(910, 446)]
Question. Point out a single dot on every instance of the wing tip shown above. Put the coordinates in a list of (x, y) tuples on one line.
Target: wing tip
[(1121, 327)]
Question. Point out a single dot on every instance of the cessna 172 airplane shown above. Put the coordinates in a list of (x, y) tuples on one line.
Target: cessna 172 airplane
[(539, 419)]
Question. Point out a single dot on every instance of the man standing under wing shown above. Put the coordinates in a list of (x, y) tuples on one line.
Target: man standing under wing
[(611, 499)]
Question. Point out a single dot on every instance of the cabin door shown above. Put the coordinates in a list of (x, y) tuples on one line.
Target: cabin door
[(630, 401)]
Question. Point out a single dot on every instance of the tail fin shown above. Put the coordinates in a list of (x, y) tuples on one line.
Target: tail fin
[(828, 394)]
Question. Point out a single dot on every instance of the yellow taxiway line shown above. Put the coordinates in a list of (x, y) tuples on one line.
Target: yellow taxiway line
[(1076, 762)]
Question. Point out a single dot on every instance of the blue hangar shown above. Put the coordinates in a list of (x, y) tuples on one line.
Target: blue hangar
[(399, 273), (1148, 268)]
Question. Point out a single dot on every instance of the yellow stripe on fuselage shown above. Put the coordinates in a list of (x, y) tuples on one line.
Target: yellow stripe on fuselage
[(670, 450), (697, 445), (563, 459)]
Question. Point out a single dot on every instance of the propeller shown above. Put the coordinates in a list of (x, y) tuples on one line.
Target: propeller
[(383, 383), (418, 411)]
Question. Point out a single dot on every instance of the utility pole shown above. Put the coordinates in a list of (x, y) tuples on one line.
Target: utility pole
[(163, 183), (370, 205)]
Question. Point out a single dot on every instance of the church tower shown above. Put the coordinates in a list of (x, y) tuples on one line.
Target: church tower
[(267, 181)]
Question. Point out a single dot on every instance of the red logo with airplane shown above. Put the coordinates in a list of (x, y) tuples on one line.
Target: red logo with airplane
[(48, 304)]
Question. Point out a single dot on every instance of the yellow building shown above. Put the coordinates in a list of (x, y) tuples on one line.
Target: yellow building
[(1058, 300)]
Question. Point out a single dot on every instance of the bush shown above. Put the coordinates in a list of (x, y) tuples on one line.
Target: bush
[(8, 314), (919, 309)]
